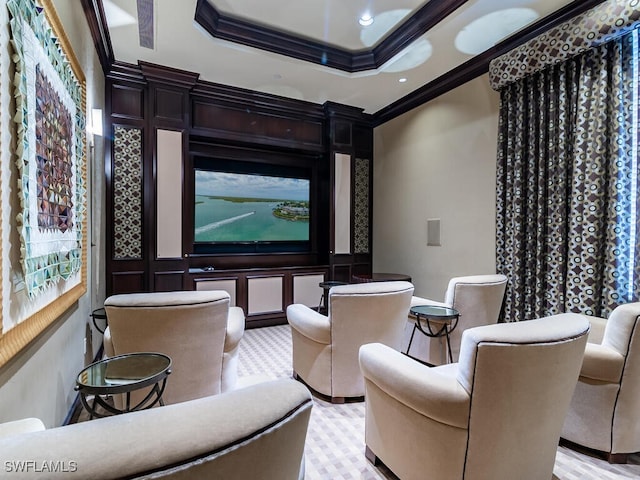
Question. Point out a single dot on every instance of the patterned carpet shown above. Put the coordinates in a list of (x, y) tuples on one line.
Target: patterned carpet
[(335, 443)]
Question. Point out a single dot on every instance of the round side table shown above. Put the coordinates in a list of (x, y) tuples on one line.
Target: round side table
[(99, 314), (438, 322), (123, 374), (323, 305)]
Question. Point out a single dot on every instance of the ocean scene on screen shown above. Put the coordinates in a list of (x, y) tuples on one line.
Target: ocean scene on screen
[(237, 207)]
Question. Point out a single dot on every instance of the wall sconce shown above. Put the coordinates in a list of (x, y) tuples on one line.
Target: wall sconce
[(95, 124)]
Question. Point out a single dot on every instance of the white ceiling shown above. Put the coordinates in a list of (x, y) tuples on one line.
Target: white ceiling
[(181, 43)]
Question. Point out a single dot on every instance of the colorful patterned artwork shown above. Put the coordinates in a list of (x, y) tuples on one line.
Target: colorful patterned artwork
[(50, 133), (54, 163), (49, 205)]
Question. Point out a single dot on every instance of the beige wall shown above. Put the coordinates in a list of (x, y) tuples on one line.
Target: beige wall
[(437, 161), (39, 381)]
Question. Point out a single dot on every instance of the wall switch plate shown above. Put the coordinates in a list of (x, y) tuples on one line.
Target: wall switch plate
[(433, 232)]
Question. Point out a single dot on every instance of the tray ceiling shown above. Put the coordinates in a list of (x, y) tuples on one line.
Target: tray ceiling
[(316, 50)]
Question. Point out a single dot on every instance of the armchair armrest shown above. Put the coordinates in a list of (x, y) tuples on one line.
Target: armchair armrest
[(210, 437), (24, 425), (602, 363), (235, 328), (108, 344), (598, 325), (432, 394), (309, 323), (416, 301)]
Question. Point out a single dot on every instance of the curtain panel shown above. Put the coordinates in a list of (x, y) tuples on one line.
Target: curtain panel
[(567, 185)]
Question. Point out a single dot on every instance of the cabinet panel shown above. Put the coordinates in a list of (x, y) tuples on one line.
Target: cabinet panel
[(169, 104), (127, 102), (127, 282), (167, 281)]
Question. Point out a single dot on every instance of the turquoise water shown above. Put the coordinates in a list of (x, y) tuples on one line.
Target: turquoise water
[(241, 224)]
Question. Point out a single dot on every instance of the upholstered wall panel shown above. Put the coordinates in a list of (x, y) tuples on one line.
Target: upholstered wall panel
[(228, 285), (265, 295), (306, 289), (127, 193), (169, 194), (342, 199)]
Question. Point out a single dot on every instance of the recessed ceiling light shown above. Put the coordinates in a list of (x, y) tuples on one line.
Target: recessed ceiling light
[(366, 20), (402, 80), (486, 31)]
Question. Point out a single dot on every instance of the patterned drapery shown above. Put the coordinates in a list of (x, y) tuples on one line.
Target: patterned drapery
[(567, 185)]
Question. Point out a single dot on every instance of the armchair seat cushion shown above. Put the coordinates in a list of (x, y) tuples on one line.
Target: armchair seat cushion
[(602, 363)]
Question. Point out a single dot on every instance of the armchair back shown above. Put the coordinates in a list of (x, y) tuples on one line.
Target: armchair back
[(521, 378), (497, 414), (364, 313), (478, 298), (188, 326)]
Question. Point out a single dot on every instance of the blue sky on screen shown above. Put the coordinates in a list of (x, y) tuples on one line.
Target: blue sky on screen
[(252, 186)]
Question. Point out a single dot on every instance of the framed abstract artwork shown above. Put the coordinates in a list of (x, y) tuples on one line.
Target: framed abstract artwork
[(50, 156)]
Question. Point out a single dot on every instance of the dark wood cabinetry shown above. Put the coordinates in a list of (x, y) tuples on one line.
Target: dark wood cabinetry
[(162, 120)]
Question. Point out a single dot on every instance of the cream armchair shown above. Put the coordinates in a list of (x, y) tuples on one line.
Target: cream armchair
[(255, 432), (325, 348), (497, 414), (478, 299), (605, 411), (197, 329)]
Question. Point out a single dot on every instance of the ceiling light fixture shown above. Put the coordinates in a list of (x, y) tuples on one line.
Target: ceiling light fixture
[(385, 22), (365, 20), (402, 80)]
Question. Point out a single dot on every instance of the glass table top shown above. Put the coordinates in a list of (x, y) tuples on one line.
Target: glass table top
[(434, 311), (331, 283), (127, 369)]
